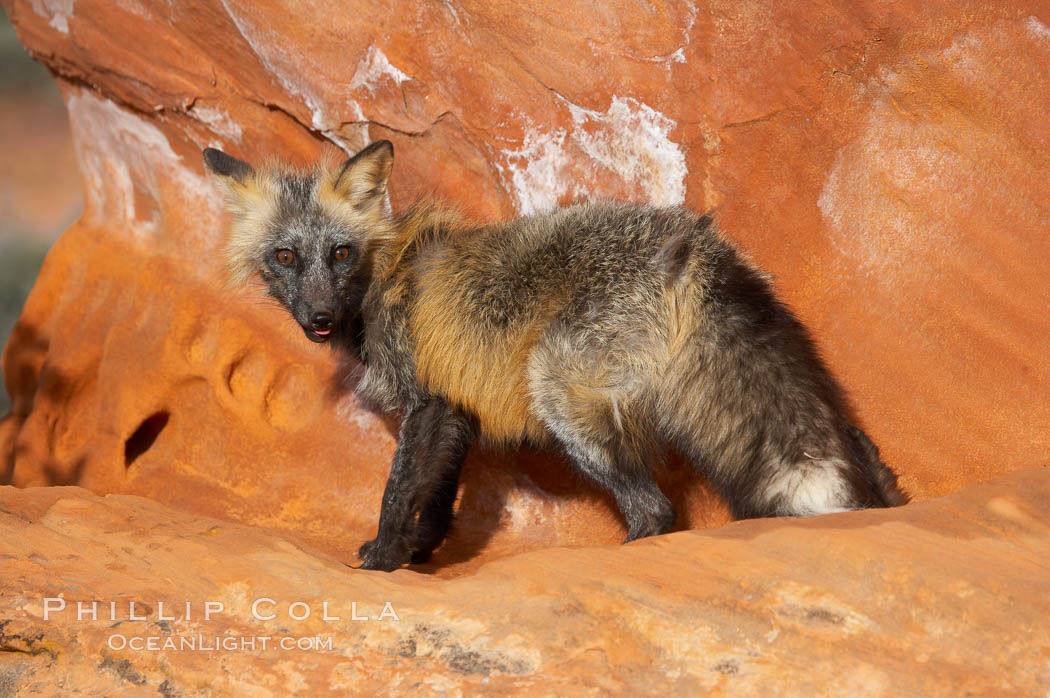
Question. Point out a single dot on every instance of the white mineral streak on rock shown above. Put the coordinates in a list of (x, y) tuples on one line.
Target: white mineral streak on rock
[(872, 198), (121, 154), (537, 170), (219, 121), (630, 138), (1038, 29), (57, 12), (295, 72), (373, 69)]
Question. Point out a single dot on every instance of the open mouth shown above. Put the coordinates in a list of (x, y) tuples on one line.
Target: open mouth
[(318, 336)]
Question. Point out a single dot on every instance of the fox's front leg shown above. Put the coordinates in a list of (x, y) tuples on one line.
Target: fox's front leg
[(432, 443)]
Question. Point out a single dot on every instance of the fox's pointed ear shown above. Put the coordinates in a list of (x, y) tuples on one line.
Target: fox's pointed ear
[(362, 179), (223, 165)]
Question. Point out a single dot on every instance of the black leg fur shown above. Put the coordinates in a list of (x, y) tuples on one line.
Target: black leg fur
[(423, 477), (644, 507), (435, 518)]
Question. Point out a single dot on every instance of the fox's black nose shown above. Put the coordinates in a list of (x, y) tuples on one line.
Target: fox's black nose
[(321, 321)]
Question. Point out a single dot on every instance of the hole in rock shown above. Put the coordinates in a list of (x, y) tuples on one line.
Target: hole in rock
[(147, 433)]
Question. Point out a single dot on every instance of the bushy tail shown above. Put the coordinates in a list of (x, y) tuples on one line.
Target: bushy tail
[(878, 473)]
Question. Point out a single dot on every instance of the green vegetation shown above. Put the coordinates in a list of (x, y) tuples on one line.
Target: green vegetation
[(19, 263), (18, 72), (21, 253)]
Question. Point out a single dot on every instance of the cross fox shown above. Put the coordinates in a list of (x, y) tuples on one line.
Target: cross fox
[(611, 332)]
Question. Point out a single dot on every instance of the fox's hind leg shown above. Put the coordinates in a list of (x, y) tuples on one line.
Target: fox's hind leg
[(644, 507), (594, 424)]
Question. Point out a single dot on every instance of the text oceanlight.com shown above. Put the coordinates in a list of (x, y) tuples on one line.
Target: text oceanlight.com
[(216, 643)]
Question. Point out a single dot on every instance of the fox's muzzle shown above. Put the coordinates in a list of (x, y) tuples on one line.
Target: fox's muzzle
[(320, 327)]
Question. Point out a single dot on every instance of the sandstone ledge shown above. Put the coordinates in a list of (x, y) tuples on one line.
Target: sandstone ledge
[(884, 602)]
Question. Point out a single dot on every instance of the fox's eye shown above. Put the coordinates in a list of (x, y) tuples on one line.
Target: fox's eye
[(341, 253), (285, 257)]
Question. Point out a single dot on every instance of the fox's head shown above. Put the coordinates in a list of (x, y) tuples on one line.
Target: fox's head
[(307, 234)]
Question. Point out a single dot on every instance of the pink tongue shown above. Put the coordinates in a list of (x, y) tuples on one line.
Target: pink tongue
[(322, 332)]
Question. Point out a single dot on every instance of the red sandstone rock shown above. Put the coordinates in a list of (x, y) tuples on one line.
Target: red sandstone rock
[(884, 161), (940, 598)]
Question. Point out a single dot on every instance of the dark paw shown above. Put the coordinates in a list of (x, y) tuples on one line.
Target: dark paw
[(385, 558), (365, 549), (421, 556), (655, 527), (423, 544), (635, 535)]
